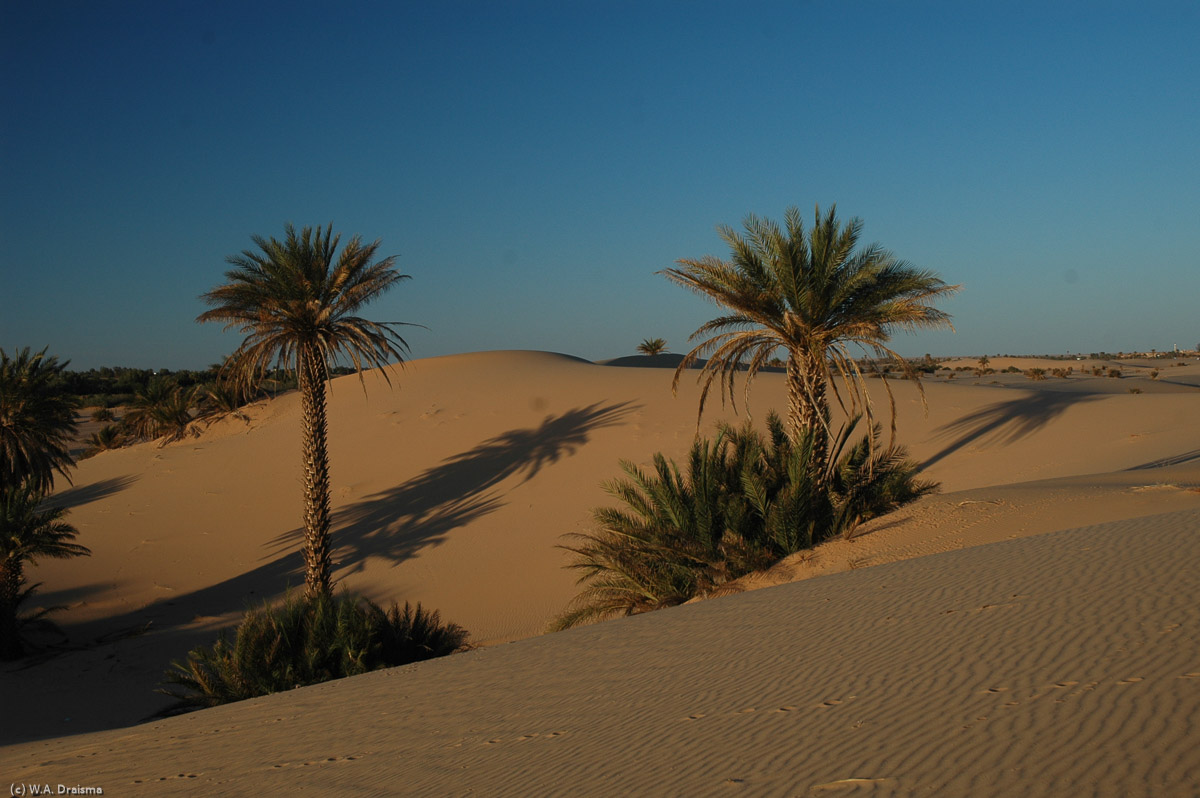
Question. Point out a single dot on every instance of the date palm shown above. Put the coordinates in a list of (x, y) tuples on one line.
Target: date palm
[(296, 300), (820, 298), (28, 530), (652, 346), (37, 420)]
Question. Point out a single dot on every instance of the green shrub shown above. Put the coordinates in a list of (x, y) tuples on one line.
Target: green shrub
[(744, 502), (305, 642)]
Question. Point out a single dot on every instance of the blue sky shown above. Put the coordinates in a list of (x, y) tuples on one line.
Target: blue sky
[(532, 165)]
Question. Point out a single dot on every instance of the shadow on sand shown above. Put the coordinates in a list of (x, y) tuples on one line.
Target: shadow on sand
[(1002, 423), (86, 494), (1179, 459), (400, 521)]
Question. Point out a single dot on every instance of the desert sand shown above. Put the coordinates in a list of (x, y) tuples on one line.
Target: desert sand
[(1031, 629)]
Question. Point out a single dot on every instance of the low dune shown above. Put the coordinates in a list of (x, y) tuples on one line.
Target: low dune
[(454, 488)]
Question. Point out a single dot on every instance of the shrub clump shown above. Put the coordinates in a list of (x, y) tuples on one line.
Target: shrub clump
[(1036, 374), (744, 502), (306, 641)]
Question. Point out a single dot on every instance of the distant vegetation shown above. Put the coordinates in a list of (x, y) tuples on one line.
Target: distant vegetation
[(652, 346)]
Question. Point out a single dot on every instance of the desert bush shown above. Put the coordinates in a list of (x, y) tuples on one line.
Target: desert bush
[(1036, 374), (306, 641), (1154, 374), (1114, 373), (744, 502), (1135, 390), (1012, 370), (102, 414), (1061, 373)]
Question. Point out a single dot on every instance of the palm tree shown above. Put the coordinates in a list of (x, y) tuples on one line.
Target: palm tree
[(652, 346), (162, 409), (37, 420), (814, 295), (295, 302), (27, 531)]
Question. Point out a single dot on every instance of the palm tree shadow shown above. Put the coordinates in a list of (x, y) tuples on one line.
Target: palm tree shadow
[(397, 523), (86, 494), (1179, 459), (1002, 423)]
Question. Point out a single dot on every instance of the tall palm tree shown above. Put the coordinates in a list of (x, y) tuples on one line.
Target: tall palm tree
[(295, 301), (817, 296), (27, 531), (652, 346), (37, 420)]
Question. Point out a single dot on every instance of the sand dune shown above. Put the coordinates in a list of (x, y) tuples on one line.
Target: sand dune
[(453, 490), (1064, 664)]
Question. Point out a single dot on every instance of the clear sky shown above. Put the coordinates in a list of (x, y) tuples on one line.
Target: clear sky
[(532, 165)]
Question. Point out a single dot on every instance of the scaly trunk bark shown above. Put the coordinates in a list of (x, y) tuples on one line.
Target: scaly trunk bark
[(10, 589), (312, 378), (808, 407)]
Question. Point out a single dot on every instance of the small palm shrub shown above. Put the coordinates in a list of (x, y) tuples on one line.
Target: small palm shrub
[(102, 414), (1036, 374), (743, 502), (306, 641), (1114, 373), (1154, 374), (110, 436)]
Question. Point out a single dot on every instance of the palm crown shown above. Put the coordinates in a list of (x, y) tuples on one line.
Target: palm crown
[(37, 420), (291, 298), (813, 293)]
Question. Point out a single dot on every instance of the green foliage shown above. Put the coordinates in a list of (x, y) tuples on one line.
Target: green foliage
[(305, 641), (744, 501), (814, 293), (163, 409), (28, 531), (110, 436), (37, 420)]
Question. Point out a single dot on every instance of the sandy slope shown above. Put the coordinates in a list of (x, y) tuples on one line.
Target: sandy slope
[(454, 488), (1063, 664)]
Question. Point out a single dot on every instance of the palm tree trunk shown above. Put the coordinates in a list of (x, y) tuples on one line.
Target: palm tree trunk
[(312, 378), (10, 591), (808, 408)]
